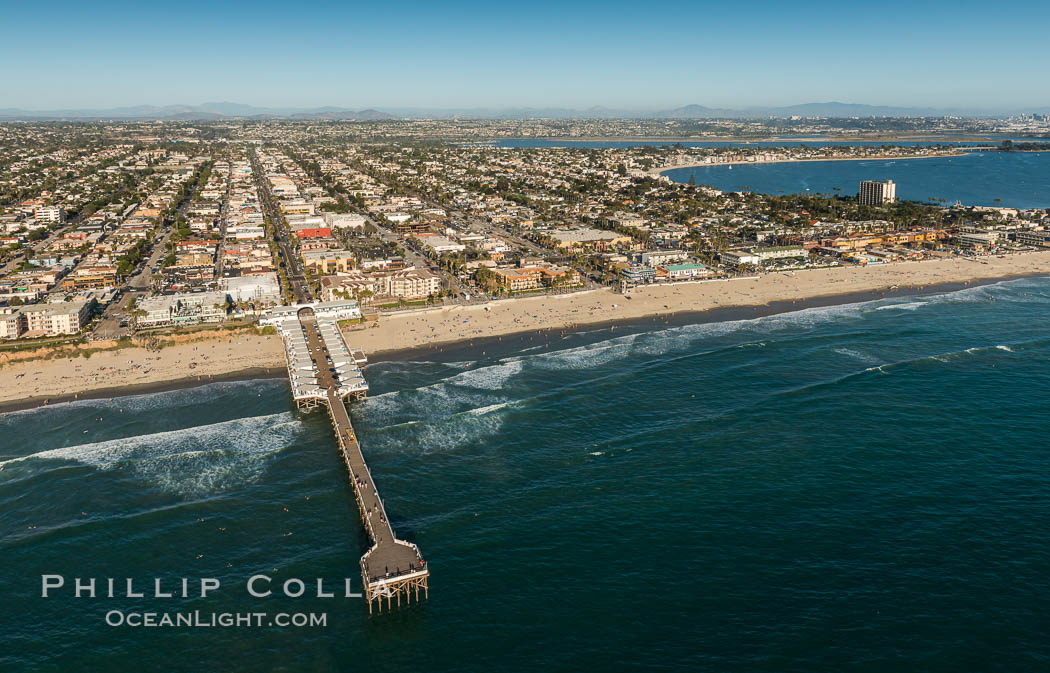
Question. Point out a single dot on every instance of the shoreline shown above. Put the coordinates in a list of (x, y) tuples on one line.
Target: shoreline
[(248, 374), (424, 330), (526, 338), (966, 138), (652, 307), (659, 172)]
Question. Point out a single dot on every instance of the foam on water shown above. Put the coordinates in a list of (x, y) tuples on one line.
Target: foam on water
[(487, 409), (455, 432), (909, 306), (492, 377), (863, 357), (585, 357), (193, 460)]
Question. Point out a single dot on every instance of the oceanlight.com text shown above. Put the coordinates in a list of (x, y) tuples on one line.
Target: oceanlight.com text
[(204, 619)]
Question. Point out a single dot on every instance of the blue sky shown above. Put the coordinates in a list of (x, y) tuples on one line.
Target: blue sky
[(638, 55)]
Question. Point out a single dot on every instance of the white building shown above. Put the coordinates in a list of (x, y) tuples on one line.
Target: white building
[(260, 288), (739, 258), (655, 258), (343, 309), (53, 319), (440, 244), (974, 240), (874, 193), (12, 322), (686, 271), (188, 308), (49, 214), (245, 233), (345, 220)]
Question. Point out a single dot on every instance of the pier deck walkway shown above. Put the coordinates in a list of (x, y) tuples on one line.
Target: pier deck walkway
[(391, 567)]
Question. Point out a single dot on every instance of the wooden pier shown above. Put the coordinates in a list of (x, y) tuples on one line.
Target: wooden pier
[(391, 569)]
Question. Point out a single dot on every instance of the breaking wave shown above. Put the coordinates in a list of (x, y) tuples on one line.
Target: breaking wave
[(193, 460)]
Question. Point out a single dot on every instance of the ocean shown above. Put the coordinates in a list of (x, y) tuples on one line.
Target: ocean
[(782, 141), (853, 487), (1009, 179)]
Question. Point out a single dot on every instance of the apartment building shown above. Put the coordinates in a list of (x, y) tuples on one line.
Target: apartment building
[(55, 319), (873, 193), (12, 322)]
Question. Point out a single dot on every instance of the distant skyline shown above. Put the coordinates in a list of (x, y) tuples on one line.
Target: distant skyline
[(635, 56)]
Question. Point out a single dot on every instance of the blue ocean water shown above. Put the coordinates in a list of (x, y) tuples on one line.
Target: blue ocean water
[(784, 141), (1014, 179), (854, 487)]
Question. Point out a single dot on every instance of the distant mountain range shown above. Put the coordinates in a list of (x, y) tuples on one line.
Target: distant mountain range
[(220, 111), (203, 112)]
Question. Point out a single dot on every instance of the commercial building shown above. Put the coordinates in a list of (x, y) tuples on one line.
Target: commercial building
[(585, 238), (261, 288), (90, 279), (408, 283), (182, 309), (874, 193), (245, 232), (345, 221), (343, 309), (297, 207), (325, 262), (638, 275), (685, 271), (313, 232), (438, 244)]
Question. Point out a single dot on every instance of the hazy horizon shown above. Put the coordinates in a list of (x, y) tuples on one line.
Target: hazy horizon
[(699, 111)]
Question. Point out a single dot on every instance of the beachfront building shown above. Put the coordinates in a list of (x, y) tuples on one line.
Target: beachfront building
[(68, 317), (638, 275), (408, 283), (412, 283), (340, 309), (873, 193), (12, 322), (738, 258), (779, 252), (181, 309), (977, 240), (535, 277), (685, 271), (1040, 239), (655, 258)]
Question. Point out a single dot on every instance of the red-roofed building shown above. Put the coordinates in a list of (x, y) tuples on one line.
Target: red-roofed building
[(316, 232)]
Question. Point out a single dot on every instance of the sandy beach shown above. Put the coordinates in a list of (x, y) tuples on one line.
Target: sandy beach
[(29, 383), (445, 325), (130, 369), (660, 170)]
